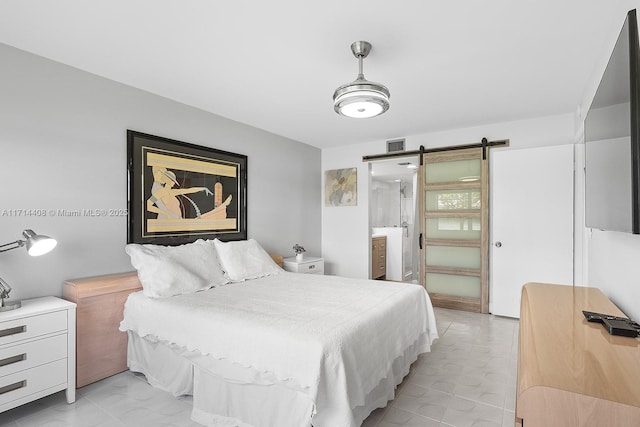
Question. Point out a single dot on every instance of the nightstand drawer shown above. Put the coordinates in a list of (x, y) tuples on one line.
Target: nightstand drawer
[(34, 353), (31, 381), (33, 326), (311, 265), (315, 267)]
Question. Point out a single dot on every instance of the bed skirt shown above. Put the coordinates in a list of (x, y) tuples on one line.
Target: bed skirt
[(227, 395)]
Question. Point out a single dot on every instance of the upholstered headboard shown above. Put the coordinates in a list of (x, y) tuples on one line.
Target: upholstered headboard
[(279, 259), (101, 349)]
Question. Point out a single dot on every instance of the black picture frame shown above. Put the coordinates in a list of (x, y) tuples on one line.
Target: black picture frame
[(179, 192)]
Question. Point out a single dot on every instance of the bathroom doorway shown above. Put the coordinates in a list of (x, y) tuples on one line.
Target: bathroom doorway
[(392, 213)]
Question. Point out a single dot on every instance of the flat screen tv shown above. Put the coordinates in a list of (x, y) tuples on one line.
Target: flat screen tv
[(612, 140)]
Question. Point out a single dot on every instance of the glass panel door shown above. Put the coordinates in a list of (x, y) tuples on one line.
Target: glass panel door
[(454, 251)]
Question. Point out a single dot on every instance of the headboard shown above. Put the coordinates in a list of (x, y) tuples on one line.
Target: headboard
[(101, 349), (279, 259)]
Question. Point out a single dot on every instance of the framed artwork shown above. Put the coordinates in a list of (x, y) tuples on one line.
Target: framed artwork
[(341, 187), (181, 192)]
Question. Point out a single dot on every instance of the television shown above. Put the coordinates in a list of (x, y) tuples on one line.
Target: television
[(612, 140)]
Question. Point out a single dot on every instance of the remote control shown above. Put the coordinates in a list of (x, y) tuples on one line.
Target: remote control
[(614, 324), (592, 316)]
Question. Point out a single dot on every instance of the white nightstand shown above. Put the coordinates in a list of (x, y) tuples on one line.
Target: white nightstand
[(37, 351), (311, 265)]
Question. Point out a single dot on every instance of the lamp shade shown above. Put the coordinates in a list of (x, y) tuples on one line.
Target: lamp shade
[(361, 99), (38, 244)]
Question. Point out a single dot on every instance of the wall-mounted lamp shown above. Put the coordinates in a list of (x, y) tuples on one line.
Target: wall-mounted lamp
[(36, 245)]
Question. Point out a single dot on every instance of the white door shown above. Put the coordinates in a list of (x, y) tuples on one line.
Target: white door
[(531, 222)]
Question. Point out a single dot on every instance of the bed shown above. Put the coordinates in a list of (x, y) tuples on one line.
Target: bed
[(257, 346)]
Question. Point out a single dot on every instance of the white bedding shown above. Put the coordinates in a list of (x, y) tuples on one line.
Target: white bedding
[(331, 337)]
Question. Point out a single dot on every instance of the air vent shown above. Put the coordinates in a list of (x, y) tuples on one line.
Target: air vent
[(395, 145)]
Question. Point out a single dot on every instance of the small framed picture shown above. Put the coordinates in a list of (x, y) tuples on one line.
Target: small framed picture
[(341, 187)]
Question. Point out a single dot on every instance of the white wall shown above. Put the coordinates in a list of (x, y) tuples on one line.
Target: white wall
[(613, 267), (63, 145), (346, 230), (385, 202)]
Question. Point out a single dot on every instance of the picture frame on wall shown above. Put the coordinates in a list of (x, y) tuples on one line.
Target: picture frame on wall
[(341, 187), (180, 192)]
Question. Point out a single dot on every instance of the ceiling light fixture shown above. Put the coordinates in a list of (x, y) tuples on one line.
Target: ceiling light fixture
[(361, 98)]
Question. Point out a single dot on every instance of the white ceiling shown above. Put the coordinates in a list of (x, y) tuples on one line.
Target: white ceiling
[(275, 64)]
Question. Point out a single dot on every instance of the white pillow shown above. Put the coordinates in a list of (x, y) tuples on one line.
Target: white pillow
[(173, 270), (245, 259)]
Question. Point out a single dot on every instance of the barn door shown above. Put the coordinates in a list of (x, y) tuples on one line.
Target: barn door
[(454, 228)]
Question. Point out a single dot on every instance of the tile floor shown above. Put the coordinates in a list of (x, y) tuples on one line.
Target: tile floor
[(467, 380)]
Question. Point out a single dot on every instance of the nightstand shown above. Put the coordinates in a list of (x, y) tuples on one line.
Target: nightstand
[(37, 351), (310, 265)]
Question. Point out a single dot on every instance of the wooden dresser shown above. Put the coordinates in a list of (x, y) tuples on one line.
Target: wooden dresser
[(379, 257), (572, 373)]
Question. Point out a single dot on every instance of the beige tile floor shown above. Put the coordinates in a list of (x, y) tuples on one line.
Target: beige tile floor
[(467, 380)]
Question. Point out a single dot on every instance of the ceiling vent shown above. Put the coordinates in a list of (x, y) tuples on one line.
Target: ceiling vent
[(395, 145)]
